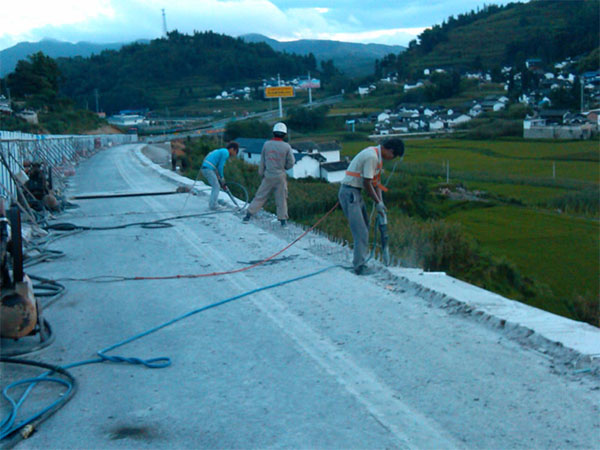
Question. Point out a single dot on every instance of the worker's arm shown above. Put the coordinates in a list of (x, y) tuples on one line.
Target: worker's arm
[(289, 160), (375, 194), (221, 167)]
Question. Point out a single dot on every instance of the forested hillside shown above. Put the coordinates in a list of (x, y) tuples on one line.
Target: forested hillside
[(126, 78), (50, 47), (503, 35), (353, 59)]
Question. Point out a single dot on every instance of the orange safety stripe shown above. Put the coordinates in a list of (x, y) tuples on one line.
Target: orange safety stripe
[(377, 178)]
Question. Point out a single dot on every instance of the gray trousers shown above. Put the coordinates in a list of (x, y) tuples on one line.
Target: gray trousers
[(211, 177), (268, 185), (356, 212)]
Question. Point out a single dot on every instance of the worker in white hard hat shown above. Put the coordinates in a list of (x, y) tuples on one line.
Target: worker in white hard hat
[(276, 157)]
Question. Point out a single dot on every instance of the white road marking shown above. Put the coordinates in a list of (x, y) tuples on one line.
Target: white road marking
[(411, 428)]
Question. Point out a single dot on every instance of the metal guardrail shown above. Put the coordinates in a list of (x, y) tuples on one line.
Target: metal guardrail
[(60, 153)]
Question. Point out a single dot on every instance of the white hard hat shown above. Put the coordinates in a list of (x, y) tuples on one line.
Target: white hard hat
[(280, 127)]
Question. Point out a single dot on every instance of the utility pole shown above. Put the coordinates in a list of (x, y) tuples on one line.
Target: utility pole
[(164, 20), (96, 95), (581, 100), (309, 90), (280, 107)]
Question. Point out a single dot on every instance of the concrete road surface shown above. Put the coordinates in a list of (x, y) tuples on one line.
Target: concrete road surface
[(331, 361)]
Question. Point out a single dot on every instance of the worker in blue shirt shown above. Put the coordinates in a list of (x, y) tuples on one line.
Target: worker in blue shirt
[(212, 169)]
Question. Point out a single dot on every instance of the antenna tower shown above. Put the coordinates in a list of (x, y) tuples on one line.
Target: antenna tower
[(164, 22)]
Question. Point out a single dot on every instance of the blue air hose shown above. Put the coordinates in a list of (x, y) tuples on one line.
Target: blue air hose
[(7, 426)]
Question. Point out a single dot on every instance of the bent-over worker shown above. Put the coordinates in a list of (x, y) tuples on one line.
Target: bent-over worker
[(212, 169), (364, 172)]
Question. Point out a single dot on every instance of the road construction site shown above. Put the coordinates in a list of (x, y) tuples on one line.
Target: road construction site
[(297, 352)]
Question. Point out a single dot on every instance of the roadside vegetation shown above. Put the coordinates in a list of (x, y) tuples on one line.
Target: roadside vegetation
[(35, 86), (501, 221)]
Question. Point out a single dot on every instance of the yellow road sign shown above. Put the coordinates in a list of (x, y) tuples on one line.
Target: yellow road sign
[(279, 91)]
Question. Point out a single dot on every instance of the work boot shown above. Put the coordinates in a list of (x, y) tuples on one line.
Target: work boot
[(246, 218), (363, 270), (283, 223)]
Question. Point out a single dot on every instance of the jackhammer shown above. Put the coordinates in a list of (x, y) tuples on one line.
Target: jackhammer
[(381, 223)]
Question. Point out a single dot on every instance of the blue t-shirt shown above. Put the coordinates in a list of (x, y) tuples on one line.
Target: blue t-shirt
[(216, 160)]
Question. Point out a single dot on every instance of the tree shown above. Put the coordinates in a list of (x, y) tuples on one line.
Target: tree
[(37, 77), (247, 129), (569, 98), (443, 85), (307, 119)]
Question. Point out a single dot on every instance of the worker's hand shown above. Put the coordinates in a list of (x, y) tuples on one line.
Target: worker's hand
[(222, 183), (380, 207)]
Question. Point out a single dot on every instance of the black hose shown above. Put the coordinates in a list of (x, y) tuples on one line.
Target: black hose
[(159, 223)]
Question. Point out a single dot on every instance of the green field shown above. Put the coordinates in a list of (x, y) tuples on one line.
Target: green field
[(556, 250), (509, 160)]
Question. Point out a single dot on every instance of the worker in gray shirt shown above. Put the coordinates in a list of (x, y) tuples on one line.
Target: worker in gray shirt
[(364, 172), (276, 157)]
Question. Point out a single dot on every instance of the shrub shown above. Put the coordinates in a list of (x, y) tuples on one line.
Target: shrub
[(491, 128), (585, 308), (586, 201), (247, 129)]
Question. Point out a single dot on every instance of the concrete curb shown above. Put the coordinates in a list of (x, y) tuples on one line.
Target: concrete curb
[(575, 344), (199, 187)]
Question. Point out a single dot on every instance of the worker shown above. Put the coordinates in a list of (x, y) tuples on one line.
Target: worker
[(276, 157), (365, 171), (212, 169)]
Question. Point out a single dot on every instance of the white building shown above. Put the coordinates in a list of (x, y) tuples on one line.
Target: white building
[(29, 116), (311, 159), (334, 172), (126, 120), (382, 117)]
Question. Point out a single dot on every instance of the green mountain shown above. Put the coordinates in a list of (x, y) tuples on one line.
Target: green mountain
[(550, 30), (352, 59), (194, 66), (50, 47)]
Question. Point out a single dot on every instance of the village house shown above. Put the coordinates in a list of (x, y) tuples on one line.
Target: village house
[(29, 116), (125, 119), (559, 124), (311, 159)]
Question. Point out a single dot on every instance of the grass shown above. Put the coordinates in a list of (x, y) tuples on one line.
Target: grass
[(559, 251), (508, 159), (342, 110), (523, 193)]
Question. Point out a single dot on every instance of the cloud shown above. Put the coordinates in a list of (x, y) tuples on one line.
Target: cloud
[(19, 17), (125, 20)]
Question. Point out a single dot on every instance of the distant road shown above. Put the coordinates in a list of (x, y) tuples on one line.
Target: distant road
[(330, 361), (270, 116)]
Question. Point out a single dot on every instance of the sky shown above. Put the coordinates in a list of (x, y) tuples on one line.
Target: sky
[(394, 22)]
